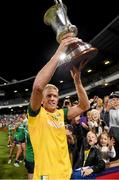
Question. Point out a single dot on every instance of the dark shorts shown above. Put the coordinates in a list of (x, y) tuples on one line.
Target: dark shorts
[(29, 166), (22, 141), (19, 142), (16, 141)]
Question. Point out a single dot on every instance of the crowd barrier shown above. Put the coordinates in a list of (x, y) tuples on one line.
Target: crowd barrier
[(111, 172)]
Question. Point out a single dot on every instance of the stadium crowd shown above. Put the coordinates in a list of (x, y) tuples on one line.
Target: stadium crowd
[(96, 130)]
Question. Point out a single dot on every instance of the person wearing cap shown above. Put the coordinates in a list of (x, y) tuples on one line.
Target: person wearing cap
[(114, 120)]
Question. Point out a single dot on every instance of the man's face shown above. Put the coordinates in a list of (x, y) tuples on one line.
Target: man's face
[(50, 99), (114, 102)]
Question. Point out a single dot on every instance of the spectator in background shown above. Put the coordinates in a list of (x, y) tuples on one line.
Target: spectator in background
[(29, 158), (99, 106), (67, 103), (105, 110), (95, 123), (114, 120), (106, 147), (89, 160), (71, 140), (79, 124), (19, 141), (10, 134)]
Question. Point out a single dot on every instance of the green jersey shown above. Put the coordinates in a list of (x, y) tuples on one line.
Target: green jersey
[(29, 149), (19, 135)]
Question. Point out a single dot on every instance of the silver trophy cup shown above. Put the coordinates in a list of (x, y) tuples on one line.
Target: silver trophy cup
[(56, 17)]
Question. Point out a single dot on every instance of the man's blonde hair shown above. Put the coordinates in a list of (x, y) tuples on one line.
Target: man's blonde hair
[(51, 86)]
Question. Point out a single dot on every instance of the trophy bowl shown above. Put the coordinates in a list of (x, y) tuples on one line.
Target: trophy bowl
[(56, 17)]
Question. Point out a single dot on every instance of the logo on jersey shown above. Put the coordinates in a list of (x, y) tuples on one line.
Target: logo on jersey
[(56, 124)]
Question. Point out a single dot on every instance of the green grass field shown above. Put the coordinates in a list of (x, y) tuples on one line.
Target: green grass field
[(9, 171)]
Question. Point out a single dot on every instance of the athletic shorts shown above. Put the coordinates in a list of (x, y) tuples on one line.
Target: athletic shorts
[(18, 142)]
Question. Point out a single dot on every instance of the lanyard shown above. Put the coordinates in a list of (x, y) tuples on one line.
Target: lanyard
[(86, 153)]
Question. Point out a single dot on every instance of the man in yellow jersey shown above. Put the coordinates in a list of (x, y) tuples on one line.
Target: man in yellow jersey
[(46, 122)]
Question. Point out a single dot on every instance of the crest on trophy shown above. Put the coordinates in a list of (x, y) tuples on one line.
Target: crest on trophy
[(56, 17)]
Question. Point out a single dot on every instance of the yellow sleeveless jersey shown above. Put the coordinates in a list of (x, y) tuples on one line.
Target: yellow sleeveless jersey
[(48, 137)]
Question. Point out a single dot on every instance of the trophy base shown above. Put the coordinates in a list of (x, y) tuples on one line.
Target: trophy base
[(76, 55)]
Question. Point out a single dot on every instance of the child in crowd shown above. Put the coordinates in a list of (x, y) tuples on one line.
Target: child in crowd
[(89, 160), (106, 147), (95, 123)]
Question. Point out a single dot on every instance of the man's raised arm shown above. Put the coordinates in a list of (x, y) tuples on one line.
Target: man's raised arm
[(45, 74)]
